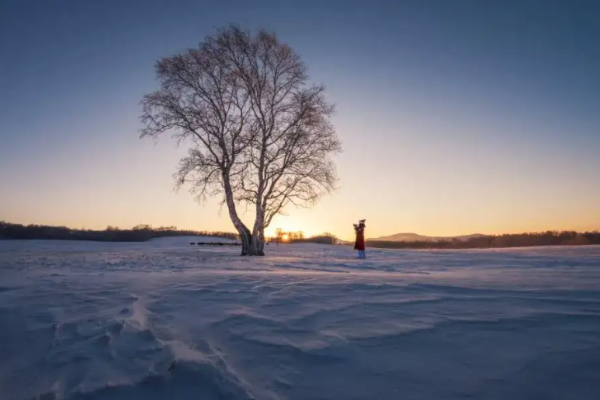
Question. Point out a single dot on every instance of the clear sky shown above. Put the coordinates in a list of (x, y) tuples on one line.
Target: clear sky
[(456, 116)]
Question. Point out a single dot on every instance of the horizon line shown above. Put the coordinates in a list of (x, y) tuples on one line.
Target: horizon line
[(315, 235)]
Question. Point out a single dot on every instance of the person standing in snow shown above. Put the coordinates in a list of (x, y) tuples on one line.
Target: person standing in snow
[(359, 244)]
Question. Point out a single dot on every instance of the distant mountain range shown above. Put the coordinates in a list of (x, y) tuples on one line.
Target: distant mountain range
[(414, 237)]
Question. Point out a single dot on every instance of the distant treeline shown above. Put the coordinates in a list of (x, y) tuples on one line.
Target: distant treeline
[(142, 233), (298, 237), (549, 238), (139, 233), (324, 238)]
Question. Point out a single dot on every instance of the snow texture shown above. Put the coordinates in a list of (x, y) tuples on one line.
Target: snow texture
[(166, 320)]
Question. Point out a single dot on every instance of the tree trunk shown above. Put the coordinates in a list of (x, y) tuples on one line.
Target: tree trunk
[(246, 239), (253, 243), (257, 245), (258, 236), (244, 232), (261, 248)]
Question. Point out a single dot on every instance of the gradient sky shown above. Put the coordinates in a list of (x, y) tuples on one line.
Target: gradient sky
[(456, 116)]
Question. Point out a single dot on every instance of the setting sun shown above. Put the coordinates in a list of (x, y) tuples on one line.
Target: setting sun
[(300, 223)]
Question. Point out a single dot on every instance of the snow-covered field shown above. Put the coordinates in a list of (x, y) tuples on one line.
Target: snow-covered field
[(165, 320)]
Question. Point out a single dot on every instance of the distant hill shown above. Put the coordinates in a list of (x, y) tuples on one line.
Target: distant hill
[(414, 237)]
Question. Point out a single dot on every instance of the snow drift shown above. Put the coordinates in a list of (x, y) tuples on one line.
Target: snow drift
[(164, 319)]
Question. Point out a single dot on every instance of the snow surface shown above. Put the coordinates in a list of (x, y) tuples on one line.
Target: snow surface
[(166, 320)]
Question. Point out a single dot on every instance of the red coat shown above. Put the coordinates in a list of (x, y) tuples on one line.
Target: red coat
[(360, 238)]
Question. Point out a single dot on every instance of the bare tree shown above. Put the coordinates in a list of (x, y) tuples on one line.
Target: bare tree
[(278, 235), (260, 133)]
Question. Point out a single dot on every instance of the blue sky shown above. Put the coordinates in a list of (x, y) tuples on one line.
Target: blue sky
[(455, 116)]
